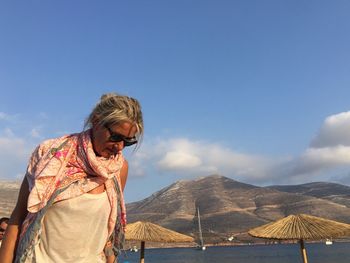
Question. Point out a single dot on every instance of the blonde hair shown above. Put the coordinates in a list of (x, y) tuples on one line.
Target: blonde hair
[(113, 108)]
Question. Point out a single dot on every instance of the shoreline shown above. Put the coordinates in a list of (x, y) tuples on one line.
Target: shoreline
[(154, 245)]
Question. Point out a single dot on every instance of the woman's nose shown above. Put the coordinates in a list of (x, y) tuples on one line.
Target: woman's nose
[(119, 146)]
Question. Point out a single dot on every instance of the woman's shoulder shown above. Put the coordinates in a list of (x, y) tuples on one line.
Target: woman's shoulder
[(45, 146), (50, 143)]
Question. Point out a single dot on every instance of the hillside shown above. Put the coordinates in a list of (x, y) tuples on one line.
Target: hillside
[(227, 207), (8, 197), (336, 193)]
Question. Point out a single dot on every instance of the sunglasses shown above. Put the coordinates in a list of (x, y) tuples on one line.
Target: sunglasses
[(116, 137)]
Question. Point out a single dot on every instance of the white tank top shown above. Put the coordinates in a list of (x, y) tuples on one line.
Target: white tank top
[(75, 230)]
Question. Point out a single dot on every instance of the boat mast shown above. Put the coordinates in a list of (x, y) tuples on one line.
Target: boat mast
[(200, 229)]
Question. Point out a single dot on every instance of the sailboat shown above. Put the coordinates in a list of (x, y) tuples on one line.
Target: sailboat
[(201, 243)]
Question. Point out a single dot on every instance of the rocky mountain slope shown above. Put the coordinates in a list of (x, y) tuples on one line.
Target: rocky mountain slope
[(336, 193), (8, 197), (227, 207)]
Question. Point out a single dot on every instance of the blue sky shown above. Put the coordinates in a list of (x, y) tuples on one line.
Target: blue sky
[(257, 91)]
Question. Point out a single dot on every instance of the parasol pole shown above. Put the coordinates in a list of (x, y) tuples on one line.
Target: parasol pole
[(142, 252), (303, 251)]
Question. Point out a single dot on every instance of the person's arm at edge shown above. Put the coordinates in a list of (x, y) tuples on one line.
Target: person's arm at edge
[(123, 177), (9, 242), (124, 174)]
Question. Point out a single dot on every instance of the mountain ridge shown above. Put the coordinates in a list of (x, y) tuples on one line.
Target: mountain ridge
[(228, 207)]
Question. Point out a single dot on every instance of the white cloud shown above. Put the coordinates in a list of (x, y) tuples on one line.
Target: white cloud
[(329, 151), (139, 160), (327, 156), (8, 132), (187, 157), (3, 116), (8, 117), (14, 155), (313, 164), (35, 133), (15, 149), (334, 131), (179, 160)]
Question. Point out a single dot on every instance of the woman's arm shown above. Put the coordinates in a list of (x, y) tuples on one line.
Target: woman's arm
[(124, 174), (111, 259), (9, 242), (123, 177)]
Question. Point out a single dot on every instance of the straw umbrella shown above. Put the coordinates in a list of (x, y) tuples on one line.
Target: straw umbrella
[(146, 231), (301, 227)]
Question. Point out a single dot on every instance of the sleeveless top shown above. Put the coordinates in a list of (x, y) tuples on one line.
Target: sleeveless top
[(80, 222)]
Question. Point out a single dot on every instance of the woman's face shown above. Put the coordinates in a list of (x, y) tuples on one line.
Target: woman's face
[(101, 136)]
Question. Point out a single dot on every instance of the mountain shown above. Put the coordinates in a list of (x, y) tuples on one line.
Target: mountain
[(227, 207), (336, 193), (8, 197)]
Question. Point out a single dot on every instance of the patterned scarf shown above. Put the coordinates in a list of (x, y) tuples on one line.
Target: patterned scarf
[(64, 168)]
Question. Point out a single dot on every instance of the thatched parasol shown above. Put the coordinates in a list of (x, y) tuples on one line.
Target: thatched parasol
[(301, 227), (146, 231)]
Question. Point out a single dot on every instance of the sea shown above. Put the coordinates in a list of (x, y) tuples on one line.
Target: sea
[(278, 253)]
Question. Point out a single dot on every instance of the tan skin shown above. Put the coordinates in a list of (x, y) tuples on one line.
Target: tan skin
[(103, 147), (3, 226)]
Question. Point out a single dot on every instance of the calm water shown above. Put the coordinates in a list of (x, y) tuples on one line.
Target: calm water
[(288, 253)]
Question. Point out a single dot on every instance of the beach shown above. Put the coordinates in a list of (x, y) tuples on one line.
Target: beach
[(278, 253)]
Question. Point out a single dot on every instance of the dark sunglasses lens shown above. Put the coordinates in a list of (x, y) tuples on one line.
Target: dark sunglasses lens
[(129, 142), (116, 138), (119, 138)]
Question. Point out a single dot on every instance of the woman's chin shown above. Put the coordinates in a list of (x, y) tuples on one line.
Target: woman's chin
[(108, 153)]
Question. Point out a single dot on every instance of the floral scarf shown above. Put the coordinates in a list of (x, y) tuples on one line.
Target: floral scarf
[(64, 168)]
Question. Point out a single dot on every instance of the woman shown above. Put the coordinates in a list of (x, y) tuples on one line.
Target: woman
[(70, 206)]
